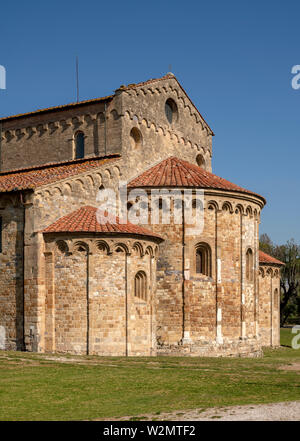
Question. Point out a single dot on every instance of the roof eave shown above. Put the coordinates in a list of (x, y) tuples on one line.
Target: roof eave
[(159, 239), (214, 189), (56, 108)]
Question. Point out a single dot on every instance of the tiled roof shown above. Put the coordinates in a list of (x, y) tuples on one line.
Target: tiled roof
[(266, 258), (85, 220), (145, 83), (53, 109), (96, 100), (80, 103), (174, 172), (35, 177)]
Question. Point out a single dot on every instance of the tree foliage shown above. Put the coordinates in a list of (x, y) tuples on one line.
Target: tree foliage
[(289, 254)]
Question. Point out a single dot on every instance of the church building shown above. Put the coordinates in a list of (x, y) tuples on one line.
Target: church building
[(71, 283)]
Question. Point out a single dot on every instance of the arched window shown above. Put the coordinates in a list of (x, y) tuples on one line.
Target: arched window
[(203, 259), (171, 110), (200, 160), (79, 145), (135, 138), (249, 265), (276, 299), (140, 285)]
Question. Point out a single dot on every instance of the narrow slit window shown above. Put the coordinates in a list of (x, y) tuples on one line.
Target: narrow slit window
[(140, 285), (79, 145), (249, 265)]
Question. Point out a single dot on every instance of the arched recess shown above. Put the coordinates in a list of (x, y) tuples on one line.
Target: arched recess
[(239, 209), (200, 161), (249, 265), (103, 247), (149, 251), (227, 206), (62, 246), (249, 211), (136, 138), (213, 205), (81, 247), (138, 249), (203, 261), (79, 145), (276, 298), (121, 248), (140, 285)]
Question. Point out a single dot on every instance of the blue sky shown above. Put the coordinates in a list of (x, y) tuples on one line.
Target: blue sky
[(233, 58)]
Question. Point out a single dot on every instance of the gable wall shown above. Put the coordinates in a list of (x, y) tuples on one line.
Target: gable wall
[(144, 109)]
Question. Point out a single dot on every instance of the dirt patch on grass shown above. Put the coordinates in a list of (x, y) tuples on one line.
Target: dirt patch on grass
[(286, 411), (290, 367)]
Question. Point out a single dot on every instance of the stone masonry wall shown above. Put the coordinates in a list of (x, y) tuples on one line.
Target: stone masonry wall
[(143, 108), (11, 274), (207, 309), (48, 137), (269, 305), (92, 307)]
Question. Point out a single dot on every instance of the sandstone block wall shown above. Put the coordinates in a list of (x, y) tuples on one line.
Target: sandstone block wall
[(269, 305), (203, 309), (143, 108), (11, 274), (48, 137), (90, 300)]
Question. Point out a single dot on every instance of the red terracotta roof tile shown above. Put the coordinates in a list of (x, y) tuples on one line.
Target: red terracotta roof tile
[(86, 220), (52, 109), (80, 103), (35, 177), (175, 172), (266, 258)]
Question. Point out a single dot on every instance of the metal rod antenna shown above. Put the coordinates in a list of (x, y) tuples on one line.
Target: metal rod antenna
[(77, 80)]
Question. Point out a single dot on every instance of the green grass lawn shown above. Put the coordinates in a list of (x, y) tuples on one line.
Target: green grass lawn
[(34, 388)]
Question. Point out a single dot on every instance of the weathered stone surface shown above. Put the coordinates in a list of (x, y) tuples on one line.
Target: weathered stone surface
[(75, 293)]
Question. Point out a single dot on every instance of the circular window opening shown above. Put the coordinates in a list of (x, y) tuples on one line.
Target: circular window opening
[(135, 138), (200, 161), (171, 110)]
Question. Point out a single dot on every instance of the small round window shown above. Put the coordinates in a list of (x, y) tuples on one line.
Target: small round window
[(171, 110)]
